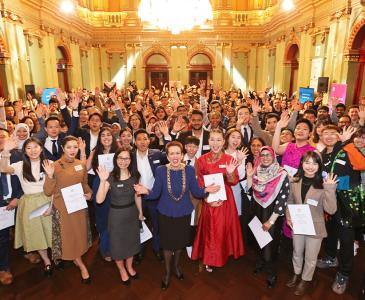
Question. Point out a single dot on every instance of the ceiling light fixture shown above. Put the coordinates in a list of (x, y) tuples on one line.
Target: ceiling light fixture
[(67, 7), (175, 15), (287, 5)]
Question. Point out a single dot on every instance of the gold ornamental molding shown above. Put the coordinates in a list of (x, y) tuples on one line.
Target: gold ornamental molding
[(11, 16), (202, 49), (31, 36), (344, 12), (318, 31), (156, 49), (352, 56), (355, 30)]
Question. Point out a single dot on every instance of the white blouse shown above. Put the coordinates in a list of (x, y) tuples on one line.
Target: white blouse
[(30, 187)]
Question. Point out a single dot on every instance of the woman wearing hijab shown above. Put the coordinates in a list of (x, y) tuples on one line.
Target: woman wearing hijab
[(270, 189), (22, 133)]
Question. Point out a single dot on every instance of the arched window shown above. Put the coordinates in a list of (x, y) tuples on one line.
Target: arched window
[(157, 73), (200, 68)]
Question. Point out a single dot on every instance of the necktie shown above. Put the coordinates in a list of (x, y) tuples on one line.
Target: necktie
[(245, 136), (54, 148), (4, 184), (188, 162)]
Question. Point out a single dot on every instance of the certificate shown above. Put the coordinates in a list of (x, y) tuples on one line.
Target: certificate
[(145, 233), (301, 218), (262, 237), (216, 179), (291, 171), (106, 160), (6, 217), (74, 198), (38, 212)]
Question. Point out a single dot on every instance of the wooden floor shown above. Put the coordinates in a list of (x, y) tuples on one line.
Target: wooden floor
[(234, 281)]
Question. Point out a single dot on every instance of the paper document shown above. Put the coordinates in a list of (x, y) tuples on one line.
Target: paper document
[(145, 233), (106, 160), (219, 180), (6, 217), (262, 237), (74, 198), (301, 218), (38, 212), (291, 171)]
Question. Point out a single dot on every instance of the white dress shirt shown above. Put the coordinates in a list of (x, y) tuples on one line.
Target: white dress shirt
[(48, 144), (144, 168)]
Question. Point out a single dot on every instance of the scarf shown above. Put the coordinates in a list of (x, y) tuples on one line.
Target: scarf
[(267, 181), (17, 127)]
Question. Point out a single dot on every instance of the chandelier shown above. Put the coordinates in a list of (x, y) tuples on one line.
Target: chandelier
[(175, 15)]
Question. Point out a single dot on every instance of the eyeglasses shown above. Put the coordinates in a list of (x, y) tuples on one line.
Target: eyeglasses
[(123, 158), (265, 155)]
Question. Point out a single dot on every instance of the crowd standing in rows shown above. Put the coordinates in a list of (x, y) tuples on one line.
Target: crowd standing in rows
[(162, 142)]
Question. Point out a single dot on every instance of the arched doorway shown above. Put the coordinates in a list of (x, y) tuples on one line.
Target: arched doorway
[(63, 63), (291, 69), (358, 51), (200, 68), (157, 71)]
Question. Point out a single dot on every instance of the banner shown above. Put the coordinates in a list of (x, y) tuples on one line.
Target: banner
[(337, 94)]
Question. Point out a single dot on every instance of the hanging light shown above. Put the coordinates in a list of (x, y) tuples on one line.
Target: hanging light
[(175, 15), (67, 7), (287, 5)]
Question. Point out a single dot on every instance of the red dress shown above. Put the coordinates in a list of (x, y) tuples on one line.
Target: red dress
[(219, 232)]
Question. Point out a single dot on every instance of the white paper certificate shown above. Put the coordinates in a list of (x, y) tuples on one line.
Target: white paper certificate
[(145, 233), (38, 212), (262, 237), (106, 160), (219, 180), (301, 218), (6, 217), (74, 198)]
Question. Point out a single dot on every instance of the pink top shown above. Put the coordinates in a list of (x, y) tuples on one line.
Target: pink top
[(293, 154)]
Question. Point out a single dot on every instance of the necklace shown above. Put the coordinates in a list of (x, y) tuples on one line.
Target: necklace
[(168, 170)]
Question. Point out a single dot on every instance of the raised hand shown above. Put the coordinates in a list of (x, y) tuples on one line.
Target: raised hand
[(163, 128), (102, 173), (233, 164), (48, 167), (88, 196), (60, 97), (331, 179), (178, 125), (2, 101), (74, 102), (10, 144), (284, 119), (347, 133), (82, 144), (295, 105), (242, 154), (212, 188), (362, 112), (255, 105), (249, 170)]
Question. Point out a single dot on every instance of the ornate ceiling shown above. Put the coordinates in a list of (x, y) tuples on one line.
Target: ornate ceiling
[(130, 5)]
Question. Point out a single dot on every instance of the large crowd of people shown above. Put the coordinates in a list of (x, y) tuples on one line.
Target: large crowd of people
[(146, 155)]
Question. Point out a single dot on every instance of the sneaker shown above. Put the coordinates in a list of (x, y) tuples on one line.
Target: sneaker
[(340, 284), (327, 262)]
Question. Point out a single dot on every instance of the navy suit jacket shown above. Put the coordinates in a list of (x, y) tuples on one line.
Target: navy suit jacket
[(155, 157)]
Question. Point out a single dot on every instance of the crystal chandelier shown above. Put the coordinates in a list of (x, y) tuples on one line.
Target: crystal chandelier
[(175, 15)]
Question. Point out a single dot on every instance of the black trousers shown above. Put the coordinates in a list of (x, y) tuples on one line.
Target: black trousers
[(336, 232)]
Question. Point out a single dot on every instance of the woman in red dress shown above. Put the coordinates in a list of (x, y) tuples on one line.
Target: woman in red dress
[(219, 233)]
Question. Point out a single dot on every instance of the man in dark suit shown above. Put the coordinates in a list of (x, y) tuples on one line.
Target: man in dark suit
[(198, 131), (52, 137), (146, 161), (243, 120)]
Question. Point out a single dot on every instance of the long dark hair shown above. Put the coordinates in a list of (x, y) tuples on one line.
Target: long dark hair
[(318, 179), (116, 171), (228, 134), (27, 166), (99, 148)]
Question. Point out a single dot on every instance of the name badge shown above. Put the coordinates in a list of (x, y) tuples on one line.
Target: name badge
[(120, 185), (78, 168), (206, 147), (156, 161), (340, 161), (312, 202), (222, 166)]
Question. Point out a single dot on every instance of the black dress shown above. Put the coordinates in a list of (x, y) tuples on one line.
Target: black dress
[(123, 223)]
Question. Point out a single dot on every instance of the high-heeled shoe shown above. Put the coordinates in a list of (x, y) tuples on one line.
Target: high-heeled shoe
[(208, 269), (164, 285), (179, 275), (86, 280), (134, 277), (48, 271), (126, 282)]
